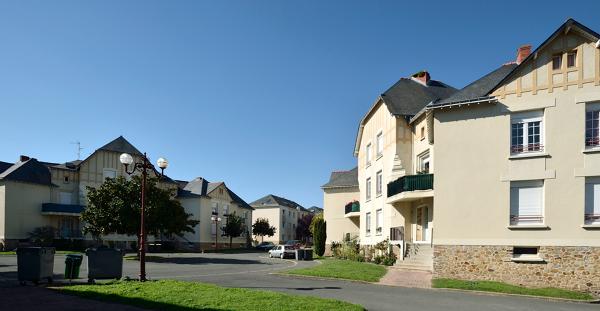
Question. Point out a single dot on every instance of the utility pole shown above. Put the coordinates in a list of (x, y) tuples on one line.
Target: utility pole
[(79, 148)]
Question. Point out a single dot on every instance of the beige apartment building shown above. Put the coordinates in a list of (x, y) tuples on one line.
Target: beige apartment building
[(517, 171), (341, 206), (36, 194), (283, 214), (517, 188)]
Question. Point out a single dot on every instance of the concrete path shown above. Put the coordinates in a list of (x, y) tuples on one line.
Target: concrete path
[(406, 278)]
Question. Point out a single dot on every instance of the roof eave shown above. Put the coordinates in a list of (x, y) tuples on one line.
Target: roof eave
[(474, 101)]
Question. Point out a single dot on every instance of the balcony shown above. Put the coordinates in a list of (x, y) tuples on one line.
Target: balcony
[(62, 209), (410, 188), (352, 209)]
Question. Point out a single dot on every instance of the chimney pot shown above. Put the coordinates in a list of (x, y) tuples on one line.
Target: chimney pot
[(522, 52), (422, 76), (23, 158)]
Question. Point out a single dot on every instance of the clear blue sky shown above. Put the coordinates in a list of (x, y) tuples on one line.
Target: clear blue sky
[(265, 95)]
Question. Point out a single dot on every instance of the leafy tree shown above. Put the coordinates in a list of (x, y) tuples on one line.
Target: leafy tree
[(115, 207), (261, 228), (303, 228), (234, 227), (319, 232)]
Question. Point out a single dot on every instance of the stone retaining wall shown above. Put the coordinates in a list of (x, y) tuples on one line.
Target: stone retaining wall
[(575, 268)]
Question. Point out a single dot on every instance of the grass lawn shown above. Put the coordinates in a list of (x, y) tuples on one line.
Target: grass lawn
[(180, 296), (499, 287), (57, 252), (344, 269)]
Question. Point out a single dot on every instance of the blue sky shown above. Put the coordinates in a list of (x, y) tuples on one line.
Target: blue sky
[(265, 95)]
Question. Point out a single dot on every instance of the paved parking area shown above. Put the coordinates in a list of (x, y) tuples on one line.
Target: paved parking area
[(256, 271)]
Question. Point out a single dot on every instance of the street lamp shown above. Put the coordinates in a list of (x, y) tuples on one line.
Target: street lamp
[(216, 220), (144, 165)]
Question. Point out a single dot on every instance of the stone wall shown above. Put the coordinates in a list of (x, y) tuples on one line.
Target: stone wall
[(575, 268)]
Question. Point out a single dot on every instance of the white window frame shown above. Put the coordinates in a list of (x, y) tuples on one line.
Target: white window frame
[(226, 209), (379, 221), (368, 154), (368, 190), (525, 119), (368, 224), (108, 171), (424, 159), (592, 141), (592, 201), (215, 208), (378, 183), (519, 216), (379, 144)]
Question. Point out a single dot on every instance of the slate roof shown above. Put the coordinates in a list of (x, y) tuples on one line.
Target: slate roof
[(121, 145), (30, 171), (271, 200), (4, 166), (315, 209), (479, 88), (407, 96), (200, 187), (340, 179)]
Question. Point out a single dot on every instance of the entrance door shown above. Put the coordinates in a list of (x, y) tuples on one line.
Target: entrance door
[(421, 224)]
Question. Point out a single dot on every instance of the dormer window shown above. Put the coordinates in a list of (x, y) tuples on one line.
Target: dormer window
[(557, 62)]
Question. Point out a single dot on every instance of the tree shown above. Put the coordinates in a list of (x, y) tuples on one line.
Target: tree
[(234, 227), (115, 207), (318, 228), (303, 228), (261, 228)]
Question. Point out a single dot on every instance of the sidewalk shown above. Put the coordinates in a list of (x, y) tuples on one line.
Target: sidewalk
[(25, 298), (406, 278)]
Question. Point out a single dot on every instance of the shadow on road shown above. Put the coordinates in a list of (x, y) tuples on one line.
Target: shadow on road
[(292, 288), (200, 260)]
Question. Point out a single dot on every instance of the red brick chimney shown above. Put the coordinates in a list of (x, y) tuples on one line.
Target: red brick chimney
[(422, 76), (522, 52)]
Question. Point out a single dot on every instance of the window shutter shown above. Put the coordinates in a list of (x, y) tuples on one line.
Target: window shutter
[(530, 201), (592, 198)]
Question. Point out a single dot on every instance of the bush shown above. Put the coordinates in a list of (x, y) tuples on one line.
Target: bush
[(389, 259), (335, 248), (319, 232), (42, 236), (378, 259)]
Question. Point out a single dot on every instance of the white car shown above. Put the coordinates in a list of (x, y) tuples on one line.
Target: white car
[(282, 251)]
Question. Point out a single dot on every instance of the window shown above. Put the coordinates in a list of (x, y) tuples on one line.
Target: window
[(422, 132), (65, 198), (526, 202), (368, 188), (66, 179), (215, 208), (527, 133), (379, 142), (557, 62), (109, 173), (378, 183), (423, 163), (368, 223), (378, 219), (226, 209), (526, 254), (213, 228), (592, 200), (572, 59), (592, 132), (368, 151)]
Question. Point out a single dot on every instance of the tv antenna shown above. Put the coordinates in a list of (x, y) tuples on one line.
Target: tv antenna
[(79, 148)]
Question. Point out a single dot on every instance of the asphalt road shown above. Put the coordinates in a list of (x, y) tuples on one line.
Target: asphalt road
[(255, 271)]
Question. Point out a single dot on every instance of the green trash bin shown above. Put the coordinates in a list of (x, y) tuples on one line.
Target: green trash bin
[(72, 265)]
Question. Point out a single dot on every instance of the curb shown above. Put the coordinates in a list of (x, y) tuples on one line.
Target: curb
[(298, 276), (484, 293)]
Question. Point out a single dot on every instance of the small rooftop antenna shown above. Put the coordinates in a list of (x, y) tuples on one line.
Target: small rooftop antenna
[(79, 148)]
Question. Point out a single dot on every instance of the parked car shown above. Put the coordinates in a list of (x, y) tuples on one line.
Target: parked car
[(265, 246), (282, 251), (293, 242)]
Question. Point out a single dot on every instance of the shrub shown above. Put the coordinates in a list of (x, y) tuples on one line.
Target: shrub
[(335, 248), (378, 259), (389, 259), (319, 232), (42, 236)]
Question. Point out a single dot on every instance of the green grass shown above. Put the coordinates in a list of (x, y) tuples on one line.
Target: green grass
[(57, 252), (182, 296), (499, 287), (344, 269)]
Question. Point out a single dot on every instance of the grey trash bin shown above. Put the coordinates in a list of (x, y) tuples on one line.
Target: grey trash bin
[(35, 264), (308, 254), (104, 263), (299, 254)]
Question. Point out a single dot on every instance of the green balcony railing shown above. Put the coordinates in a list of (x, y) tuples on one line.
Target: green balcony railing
[(352, 207), (410, 183)]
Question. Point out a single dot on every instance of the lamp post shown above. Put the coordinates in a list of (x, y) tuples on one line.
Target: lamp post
[(216, 219), (143, 166)]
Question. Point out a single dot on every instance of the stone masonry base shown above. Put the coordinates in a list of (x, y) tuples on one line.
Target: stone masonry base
[(574, 268)]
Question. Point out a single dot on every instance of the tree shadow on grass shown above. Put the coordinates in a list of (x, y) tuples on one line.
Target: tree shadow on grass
[(137, 302)]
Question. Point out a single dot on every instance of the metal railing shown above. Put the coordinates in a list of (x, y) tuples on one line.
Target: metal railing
[(515, 149), (410, 183), (397, 233), (592, 217), (528, 219), (352, 207), (592, 142)]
